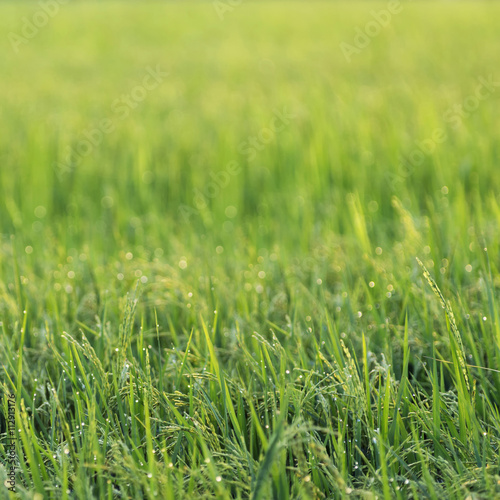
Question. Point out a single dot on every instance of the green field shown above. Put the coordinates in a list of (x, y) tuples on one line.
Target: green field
[(211, 222)]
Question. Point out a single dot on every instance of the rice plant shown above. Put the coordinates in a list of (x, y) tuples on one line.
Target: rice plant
[(249, 250)]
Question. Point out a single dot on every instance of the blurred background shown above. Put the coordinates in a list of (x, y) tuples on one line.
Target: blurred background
[(264, 130)]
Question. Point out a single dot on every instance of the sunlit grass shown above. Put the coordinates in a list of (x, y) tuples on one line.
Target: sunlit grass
[(202, 306)]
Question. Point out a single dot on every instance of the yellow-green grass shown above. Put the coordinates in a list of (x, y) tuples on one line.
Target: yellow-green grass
[(201, 307)]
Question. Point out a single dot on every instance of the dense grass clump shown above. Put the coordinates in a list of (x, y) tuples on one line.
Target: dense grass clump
[(234, 264)]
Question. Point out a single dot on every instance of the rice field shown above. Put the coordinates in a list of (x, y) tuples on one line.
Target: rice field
[(249, 250)]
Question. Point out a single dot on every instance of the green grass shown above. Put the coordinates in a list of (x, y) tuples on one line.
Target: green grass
[(275, 337)]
